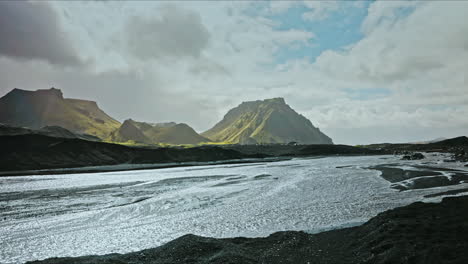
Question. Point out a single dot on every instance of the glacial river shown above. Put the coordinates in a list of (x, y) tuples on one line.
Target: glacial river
[(99, 213)]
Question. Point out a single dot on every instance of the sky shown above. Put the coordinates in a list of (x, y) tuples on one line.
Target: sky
[(361, 71)]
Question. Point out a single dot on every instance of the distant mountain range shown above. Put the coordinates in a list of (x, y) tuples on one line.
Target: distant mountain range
[(429, 141), (256, 122), (170, 133), (267, 121)]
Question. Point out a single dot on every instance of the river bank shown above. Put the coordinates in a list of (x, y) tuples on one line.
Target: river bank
[(417, 233)]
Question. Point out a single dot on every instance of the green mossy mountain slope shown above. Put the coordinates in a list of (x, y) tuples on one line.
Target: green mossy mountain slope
[(37, 109), (267, 121), (146, 133)]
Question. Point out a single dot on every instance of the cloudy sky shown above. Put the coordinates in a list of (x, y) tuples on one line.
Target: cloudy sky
[(380, 71)]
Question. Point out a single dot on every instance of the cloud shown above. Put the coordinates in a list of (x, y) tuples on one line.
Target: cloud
[(405, 75), (277, 7), (421, 61), (319, 10), (386, 13), (176, 32), (208, 67), (31, 31), (410, 51), (139, 95)]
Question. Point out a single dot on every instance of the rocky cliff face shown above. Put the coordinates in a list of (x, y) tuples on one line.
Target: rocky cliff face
[(36, 109), (170, 133), (267, 121)]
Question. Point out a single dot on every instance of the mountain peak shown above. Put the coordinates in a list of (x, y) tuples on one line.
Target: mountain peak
[(48, 107), (279, 100), (266, 121), (275, 100), (128, 121), (52, 92), (129, 130)]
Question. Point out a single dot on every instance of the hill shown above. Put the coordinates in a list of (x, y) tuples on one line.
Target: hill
[(267, 121), (37, 109), (51, 131), (447, 145), (169, 133), (38, 152)]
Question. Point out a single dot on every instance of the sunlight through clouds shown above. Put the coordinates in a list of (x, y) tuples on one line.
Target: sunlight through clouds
[(192, 61)]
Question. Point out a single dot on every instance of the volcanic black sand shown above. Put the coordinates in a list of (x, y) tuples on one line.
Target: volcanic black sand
[(457, 146), (420, 177), (302, 150), (418, 233), (41, 152), (35, 152), (451, 192)]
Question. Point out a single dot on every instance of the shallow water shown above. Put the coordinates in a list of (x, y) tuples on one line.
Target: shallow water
[(99, 213)]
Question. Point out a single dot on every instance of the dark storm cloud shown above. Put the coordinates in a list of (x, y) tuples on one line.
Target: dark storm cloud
[(176, 33), (31, 31)]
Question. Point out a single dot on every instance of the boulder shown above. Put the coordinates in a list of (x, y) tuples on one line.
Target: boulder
[(414, 156)]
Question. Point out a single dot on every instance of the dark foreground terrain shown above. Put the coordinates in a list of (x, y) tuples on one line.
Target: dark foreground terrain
[(420, 177), (418, 233), (457, 146), (34, 152), (39, 151), (278, 150), (25, 151)]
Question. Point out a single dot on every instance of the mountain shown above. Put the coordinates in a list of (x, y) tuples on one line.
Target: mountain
[(147, 133), (429, 141), (267, 121), (452, 142), (37, 109), (50, 131)]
